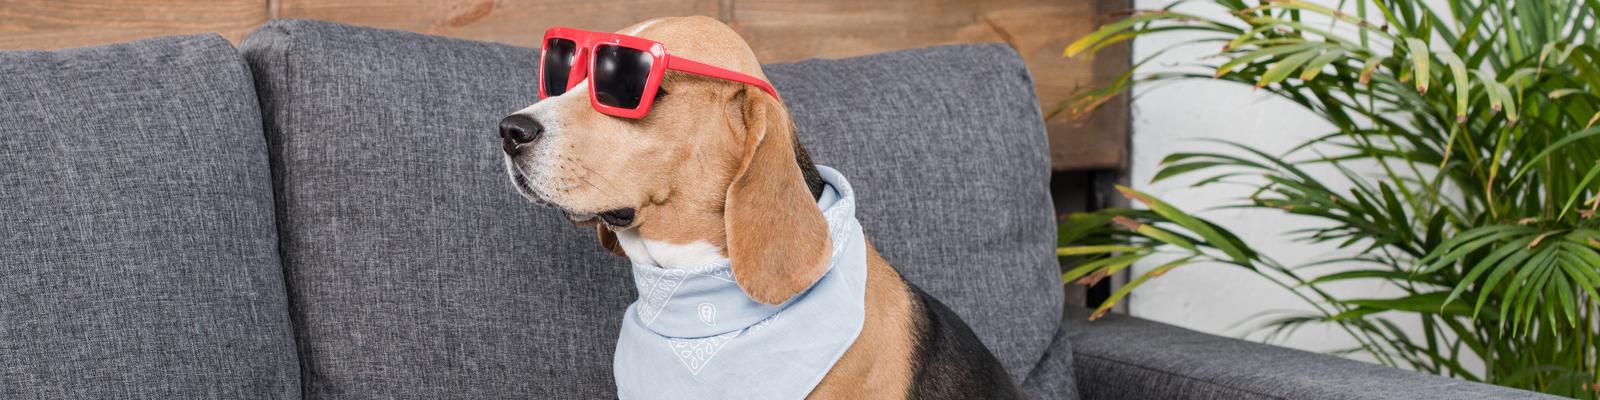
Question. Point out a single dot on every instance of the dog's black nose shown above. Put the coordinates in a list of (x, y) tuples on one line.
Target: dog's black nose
[(519, 129)]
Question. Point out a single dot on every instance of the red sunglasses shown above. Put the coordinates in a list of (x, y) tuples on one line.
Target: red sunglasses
[(624, 71)]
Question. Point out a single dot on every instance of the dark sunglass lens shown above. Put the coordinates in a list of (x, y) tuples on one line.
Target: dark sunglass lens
[(557, 65), (620, 74)]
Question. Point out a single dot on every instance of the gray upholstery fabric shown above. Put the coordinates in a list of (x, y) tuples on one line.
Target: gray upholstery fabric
[(1053, 377), (414, 268), (138, 258), (417, 272), (1119, 357)]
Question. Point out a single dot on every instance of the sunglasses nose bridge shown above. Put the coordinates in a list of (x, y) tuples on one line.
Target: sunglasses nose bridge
[(580, 65)]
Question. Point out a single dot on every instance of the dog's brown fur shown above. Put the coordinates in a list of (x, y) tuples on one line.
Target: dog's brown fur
[(715, 162), (776, 237), (879, 364)]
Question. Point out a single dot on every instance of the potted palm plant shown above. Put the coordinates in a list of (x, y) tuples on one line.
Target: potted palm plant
[(1480, 116)]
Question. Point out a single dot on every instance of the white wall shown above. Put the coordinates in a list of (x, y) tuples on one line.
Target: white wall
[(1167, 117)]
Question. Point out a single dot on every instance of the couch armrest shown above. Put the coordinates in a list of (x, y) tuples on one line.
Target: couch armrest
[(1120, 357)]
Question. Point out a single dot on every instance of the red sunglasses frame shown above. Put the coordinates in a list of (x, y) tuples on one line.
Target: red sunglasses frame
[(660, 62)]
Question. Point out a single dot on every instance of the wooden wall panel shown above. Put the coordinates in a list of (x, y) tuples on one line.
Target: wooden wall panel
[(1100, 139), (784, 30), (779, 30), (54, 24), (518, 22)]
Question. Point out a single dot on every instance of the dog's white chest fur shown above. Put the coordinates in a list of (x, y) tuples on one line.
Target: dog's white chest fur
[(667, 255)]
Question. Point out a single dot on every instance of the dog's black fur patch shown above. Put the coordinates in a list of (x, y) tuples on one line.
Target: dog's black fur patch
[(951, 362), (808, 170)]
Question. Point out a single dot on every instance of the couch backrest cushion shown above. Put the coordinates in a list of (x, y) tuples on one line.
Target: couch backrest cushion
[(416, 271), (947, 148), (138, 255)]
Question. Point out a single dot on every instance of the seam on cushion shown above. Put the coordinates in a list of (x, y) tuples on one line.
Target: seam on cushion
[(281, 93), (277, 242), (1177, 375), (283, 137)]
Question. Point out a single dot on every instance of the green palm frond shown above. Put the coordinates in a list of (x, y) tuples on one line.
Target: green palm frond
[(1480, 116)]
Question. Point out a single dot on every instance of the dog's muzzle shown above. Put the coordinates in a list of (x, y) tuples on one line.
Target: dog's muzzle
[(523, 188)]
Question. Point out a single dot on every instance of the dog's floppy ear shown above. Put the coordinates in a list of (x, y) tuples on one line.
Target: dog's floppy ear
[(777, 239), (608, 240)]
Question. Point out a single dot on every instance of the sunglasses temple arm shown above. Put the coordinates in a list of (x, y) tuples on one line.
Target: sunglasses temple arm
[(703, 69)]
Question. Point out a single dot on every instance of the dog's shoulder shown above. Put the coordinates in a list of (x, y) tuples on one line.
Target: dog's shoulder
[(951, 362)]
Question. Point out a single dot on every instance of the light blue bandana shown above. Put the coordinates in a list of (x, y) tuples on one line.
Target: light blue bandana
[(693, 334)]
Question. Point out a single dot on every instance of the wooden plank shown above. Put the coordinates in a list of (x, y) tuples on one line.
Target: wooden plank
[(54, 24), (788, 30), (793, 30), (516, 22), (784, 30), (779, 30), (1098, 140)]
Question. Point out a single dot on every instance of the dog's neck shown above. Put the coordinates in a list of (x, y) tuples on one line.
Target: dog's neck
[(681, 232), (668, 254)]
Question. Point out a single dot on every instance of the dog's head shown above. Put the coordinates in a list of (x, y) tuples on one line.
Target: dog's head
[(714, 163)]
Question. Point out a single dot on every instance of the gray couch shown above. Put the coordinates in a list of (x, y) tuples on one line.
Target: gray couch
[(321, 214)]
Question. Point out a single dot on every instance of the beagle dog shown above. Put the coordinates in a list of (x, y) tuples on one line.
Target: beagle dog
[(713, 173)]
